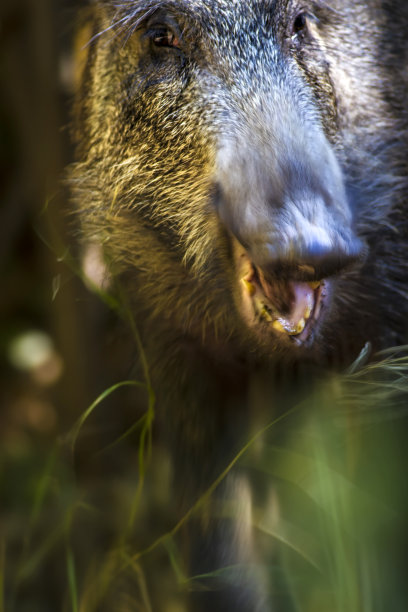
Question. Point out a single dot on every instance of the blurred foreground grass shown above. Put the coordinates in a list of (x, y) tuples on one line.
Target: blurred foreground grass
[(331, 520)]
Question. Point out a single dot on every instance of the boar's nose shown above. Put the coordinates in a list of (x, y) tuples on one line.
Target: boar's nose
[(308, 257), (290, 212), (309, 236), (303, 236)]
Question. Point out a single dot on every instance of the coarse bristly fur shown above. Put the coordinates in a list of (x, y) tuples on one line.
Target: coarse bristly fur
[(213, 134)]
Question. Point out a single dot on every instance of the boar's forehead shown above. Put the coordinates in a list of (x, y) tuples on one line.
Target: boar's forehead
[(241, 33), (228, 29), (223, 20)]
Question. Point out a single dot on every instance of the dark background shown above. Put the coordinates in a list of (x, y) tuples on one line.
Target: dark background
[(53, 338), (37, 291)]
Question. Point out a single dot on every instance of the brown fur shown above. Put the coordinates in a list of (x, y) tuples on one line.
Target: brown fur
[(154, 129)]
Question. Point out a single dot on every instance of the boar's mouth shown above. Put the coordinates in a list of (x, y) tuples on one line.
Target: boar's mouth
[(287, 308)]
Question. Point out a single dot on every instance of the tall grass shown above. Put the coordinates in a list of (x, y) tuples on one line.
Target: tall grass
[(329, 522)]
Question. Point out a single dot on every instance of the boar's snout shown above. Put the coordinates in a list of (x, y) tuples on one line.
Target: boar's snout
[(286, 203)]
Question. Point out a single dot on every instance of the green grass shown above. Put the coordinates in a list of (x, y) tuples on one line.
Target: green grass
[(95, 530)]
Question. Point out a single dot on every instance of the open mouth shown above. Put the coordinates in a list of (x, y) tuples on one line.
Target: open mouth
[(288, 308)]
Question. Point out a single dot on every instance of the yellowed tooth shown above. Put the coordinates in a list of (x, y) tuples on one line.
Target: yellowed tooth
[(299, 328), (265, 314), (307, 269), (249, 286), (277, 325), (314, 284), (308, 312)]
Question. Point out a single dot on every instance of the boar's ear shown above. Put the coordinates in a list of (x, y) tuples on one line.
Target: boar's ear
[(85, 29), (82, 58)]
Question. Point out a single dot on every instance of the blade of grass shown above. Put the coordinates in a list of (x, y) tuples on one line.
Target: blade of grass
[(141, 580), (2, 572), (42, 551), (73, 435), (293, 537), (43, 485), (203, 498), (125, 435), (72, 582)]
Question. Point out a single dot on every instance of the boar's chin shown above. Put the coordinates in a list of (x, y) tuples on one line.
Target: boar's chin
[(286, 311)]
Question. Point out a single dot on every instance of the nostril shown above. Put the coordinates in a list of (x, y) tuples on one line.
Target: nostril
[(311, 262), (329, 262), (325, 267)]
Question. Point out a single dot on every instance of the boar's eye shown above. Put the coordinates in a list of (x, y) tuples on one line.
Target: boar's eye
[(299, 24), (163, 36)]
